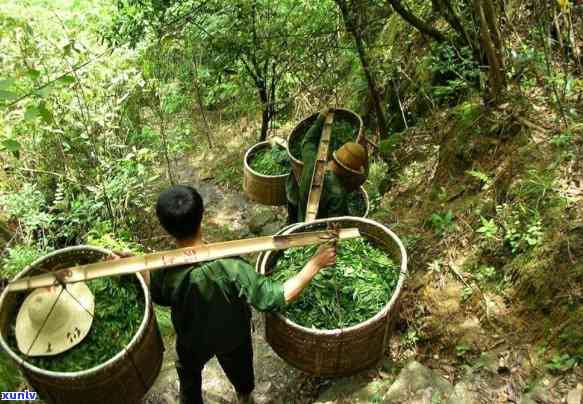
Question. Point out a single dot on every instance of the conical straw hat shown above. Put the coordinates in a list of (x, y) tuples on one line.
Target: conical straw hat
[(351, 156), (53, 320)]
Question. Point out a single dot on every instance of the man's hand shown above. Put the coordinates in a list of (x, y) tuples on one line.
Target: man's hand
[(325, 256), (119, 254)]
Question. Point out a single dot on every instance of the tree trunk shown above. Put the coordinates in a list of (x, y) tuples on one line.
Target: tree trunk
[(351, 27), (493, 55), (201, 105), (265, 114), (416, 22)]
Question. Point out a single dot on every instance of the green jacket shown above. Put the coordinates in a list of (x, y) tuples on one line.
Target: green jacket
[(210, 303), (333, 201)]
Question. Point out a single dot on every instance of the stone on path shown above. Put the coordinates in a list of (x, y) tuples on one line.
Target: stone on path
[(357, 389), (462, 395), (416, 383)]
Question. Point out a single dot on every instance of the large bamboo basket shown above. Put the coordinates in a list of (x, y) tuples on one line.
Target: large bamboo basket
[(261, 188), (300, 130), (125, 378), (341, 351)]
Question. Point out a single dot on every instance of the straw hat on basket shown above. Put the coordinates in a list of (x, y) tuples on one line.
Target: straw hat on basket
[(51, 320), (351, 156)]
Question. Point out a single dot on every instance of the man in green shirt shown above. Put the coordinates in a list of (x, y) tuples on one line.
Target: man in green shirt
[(347, 163), (210, 301)]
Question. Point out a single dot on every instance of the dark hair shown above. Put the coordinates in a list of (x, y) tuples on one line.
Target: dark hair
[(179, 210)]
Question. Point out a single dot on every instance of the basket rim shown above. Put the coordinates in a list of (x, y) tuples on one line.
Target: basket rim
[(360, 123), (252, 150), (261, 260), (102, 366)]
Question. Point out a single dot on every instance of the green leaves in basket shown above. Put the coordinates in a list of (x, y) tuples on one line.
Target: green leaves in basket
[(272, 161), (342, 131), (119, 310), (354, 290)]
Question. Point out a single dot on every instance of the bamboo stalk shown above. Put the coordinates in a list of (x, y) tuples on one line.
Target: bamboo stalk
[(181, 256), (320, 168)]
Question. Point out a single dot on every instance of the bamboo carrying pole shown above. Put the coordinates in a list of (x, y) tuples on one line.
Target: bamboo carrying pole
[(181, 256), (319, 170)]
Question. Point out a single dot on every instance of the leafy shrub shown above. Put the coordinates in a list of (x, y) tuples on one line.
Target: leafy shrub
[(454, 72), (442, 223)]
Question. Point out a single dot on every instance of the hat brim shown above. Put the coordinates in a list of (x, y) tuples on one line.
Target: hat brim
[(48, 342), (351, 170)]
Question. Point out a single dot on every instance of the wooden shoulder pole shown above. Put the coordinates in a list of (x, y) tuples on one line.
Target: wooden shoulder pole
[(320, 168), (178, 257)]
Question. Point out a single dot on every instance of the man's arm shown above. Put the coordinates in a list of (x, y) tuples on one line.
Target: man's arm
[(264, 293), (312, 137), (310, 146), (293, 287)]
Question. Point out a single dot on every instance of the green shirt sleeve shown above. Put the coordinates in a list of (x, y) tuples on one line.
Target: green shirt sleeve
[(311, 141), (258, 290)]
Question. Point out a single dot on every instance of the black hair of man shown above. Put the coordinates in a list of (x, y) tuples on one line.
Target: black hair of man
[(179, 210)]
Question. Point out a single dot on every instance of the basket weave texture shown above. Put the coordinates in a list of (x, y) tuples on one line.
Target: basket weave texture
[(125, 378), (342, 351), (264, 189)]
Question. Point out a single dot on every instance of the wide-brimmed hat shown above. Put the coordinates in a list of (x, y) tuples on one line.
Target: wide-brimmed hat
[(51, 320), (351, 156)]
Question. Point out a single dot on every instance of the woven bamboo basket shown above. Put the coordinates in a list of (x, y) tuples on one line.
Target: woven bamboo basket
[(125, 378), (300, 130), (341, 351), (261, 188)]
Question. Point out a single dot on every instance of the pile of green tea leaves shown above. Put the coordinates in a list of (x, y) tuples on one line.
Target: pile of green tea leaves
[(354, 290), (356, 204), (342, 131), (272, 161), (119, 311)]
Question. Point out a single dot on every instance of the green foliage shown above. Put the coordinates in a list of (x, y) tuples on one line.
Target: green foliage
[(467, 113), (342, 131), (442, 223), (119, 310), (483, 177), (164, 319), (354, 290), (563, 139), (522, 227), (488, 229), (410, 338), (273, 161), (10, 377), (28, 206), (376, 183), (454, 71), (19, 257), (560, 363)]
